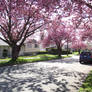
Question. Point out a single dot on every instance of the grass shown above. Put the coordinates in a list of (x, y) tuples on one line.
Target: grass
[(29, 59), (42, 57), (87, 85), (75, 53), (5, 59)]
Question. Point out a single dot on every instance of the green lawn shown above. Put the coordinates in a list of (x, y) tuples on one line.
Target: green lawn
[(28, 59), (87, 85), (42, 57), (75, 53)]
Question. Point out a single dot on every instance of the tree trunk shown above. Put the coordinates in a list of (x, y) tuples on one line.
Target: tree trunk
[(67, 48), (15, 52), (59, 51), (79, 51)]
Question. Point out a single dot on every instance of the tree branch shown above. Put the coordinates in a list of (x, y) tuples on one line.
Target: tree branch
[(89, 5), (3, 28), (5, 41)]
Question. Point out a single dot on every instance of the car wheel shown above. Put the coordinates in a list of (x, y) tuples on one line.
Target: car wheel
[(81, 62)]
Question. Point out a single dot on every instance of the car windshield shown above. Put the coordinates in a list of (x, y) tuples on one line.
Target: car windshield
[(86, 53)]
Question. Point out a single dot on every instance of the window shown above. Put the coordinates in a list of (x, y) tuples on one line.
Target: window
[(5, 53), (36, 46)]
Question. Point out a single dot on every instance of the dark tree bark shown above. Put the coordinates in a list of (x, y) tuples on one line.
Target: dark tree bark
[(79, 51), (15, 52), (67, 48), (59, 51)]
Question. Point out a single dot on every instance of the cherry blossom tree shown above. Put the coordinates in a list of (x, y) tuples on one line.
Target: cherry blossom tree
[(82, 11), (79, 45), (69, 37), (19, 19), (56, 35)]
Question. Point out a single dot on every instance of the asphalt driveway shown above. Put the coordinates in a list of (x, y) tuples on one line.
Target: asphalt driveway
[(64, 75)]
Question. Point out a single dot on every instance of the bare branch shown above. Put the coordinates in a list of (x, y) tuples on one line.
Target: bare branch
[(3, 28), (5, 41), (33, 31), (89, 5), (23, 29)]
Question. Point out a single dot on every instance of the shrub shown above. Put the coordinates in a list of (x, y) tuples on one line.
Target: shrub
[(55, 51), (43, 52)]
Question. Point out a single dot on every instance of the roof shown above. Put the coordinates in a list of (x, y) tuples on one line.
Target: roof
[(2, 43)]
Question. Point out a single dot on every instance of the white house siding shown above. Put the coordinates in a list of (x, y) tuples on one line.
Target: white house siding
[(21, 53), (9, 51), (29, 49), (42, 48)]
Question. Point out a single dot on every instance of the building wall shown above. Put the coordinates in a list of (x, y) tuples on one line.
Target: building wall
[(2, 48), (31, 48), (28, 49), (21, 53)]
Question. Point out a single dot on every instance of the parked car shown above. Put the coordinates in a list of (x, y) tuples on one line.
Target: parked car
[(85, 57)]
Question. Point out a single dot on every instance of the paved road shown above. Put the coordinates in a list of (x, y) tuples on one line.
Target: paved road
[(64, 75)]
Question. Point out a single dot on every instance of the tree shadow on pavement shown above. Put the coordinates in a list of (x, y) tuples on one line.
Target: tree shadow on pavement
[(70, 60), (66, 60), (30, 78)]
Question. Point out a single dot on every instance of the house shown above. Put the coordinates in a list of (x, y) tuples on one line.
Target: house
[(4, 48), (29, 48)]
